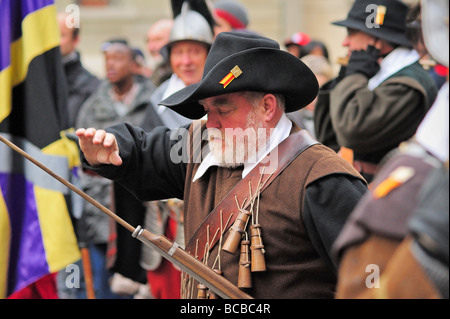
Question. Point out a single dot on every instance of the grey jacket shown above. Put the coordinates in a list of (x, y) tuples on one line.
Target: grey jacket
[(101, 111)]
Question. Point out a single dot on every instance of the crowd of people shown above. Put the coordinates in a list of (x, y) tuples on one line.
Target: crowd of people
[(360, 183)]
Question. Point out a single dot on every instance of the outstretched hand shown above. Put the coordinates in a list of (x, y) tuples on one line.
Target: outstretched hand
[(99, 147)]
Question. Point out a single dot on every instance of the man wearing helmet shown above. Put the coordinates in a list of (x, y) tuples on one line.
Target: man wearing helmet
[(189, 43)]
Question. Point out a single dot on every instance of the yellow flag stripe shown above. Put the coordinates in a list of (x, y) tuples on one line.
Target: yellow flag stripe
[(5, 239), (65, 147), (57, 232), (5, 93), (40, 33)]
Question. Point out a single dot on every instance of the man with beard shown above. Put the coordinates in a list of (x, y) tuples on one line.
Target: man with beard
[(297, 204)]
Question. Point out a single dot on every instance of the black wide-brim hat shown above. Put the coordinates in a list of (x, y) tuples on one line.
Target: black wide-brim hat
[(393, 24), (241, 62)]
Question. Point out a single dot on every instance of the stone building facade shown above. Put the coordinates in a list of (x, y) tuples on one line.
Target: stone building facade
[(278, 19)]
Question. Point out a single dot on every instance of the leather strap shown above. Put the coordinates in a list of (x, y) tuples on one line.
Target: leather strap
[(288, 150)]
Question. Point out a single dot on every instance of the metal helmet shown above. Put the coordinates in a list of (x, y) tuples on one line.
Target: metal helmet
[(435, 29), (189, 25)]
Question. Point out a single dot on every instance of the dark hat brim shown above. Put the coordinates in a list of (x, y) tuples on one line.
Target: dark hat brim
[(390, 35), (263, 70)]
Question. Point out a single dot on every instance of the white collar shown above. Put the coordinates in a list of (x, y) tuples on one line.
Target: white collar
[(279, 134), (392, 63), (433, 132), (175, 84)]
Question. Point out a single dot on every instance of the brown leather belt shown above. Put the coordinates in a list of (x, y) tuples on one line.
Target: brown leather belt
[(365, 167)]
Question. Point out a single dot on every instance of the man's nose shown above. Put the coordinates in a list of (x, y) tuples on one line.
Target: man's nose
[(212, 121), (186, 59), (346, 42)]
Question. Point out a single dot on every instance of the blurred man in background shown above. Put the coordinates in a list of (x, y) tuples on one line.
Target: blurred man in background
[(80, 82)]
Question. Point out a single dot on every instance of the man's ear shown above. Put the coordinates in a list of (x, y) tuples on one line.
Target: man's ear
[(270, 107)]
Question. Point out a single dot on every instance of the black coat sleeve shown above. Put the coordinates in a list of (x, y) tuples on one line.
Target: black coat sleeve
[(328, 203), (152, 168)]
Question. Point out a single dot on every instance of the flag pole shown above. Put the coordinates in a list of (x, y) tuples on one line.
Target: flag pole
[(87, 270)]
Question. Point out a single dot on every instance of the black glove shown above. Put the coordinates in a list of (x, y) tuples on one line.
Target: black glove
[(364, 62)]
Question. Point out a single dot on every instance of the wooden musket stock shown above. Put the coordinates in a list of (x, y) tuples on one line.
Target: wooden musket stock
[(343, 61), (192, 266), (164, 246)]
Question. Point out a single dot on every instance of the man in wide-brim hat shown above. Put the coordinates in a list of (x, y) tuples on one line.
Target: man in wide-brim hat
[(402, 231), (382, 94), (248, 86)]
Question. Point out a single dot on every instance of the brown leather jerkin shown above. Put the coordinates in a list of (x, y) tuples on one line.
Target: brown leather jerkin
[(288, 150)]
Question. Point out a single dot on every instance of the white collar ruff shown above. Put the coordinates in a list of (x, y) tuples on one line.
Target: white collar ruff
[(433, 132), (398, 59)]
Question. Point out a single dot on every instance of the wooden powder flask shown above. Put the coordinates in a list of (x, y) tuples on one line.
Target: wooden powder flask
[(201, 291), (245, 276), (211, 294), (257, 249), (235, 234)]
